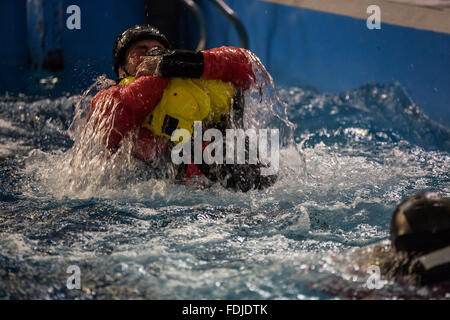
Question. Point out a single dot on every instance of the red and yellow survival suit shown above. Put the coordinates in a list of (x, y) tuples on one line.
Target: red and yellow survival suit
[(131, 104)]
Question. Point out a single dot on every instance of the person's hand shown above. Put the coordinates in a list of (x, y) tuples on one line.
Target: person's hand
[(149, 66)]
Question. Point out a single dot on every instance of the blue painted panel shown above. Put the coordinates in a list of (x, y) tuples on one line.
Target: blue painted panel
[(87, 53), (300, 48), (335, 53), (44, 34), (13, 51)]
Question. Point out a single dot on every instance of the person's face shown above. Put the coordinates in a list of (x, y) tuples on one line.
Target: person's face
[(135, 55)]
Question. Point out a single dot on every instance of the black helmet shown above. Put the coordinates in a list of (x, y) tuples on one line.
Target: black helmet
[(421, 223), (130, 36)]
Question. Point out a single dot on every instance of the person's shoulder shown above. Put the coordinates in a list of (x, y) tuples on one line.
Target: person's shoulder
[(228, 49), (111, 91)]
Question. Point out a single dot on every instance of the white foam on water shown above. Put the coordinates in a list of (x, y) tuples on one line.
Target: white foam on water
[(217, 243)]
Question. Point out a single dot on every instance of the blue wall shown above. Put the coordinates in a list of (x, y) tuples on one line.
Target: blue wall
[(335, 53), (89, 50), (87, 53), (13, 50), (300, 48)]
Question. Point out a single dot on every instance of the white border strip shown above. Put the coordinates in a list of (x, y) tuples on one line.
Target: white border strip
[(402, 14)]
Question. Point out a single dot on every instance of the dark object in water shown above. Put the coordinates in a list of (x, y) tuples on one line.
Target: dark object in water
[(420, 228), (421, 223)]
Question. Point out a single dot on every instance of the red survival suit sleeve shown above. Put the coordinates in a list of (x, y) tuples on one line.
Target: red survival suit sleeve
[(228, 64), (123, 108)]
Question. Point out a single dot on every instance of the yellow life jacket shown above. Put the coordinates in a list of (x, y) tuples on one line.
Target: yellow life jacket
[(187, 100)]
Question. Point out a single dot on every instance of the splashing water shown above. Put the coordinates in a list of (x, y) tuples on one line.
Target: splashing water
[(89, 168), (351, 158)]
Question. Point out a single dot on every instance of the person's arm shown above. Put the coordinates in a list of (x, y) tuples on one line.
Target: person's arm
[(224, 63), (228, 64), (123, 108)]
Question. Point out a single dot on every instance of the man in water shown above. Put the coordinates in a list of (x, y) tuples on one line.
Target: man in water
[(420, 241), (417, 255), (156, 92)]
